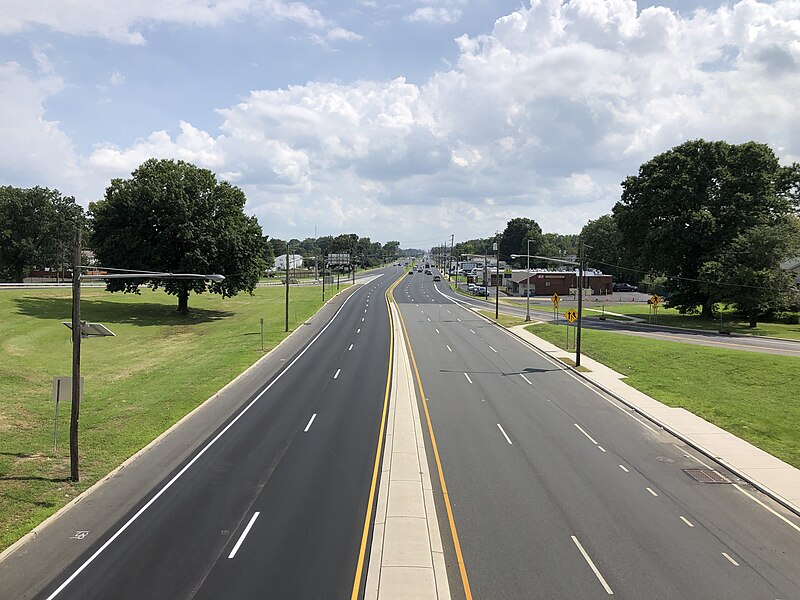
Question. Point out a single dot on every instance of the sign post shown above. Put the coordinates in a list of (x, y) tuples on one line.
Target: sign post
[(654, 301), (571, 316), (554, 299)]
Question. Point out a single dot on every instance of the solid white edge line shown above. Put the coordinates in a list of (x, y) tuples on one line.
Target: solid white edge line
[(726, 555), (310, 421), (591, 564), (467, 376), (186, 467), (687, 521), (244, 535), (583, 431), (503, 431), (770, 509), (337, 373), (525, 378)]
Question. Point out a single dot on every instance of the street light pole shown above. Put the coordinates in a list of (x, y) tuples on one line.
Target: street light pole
[(287, 288), (528, 286), (580, 304), (76, 358), (497, 277)]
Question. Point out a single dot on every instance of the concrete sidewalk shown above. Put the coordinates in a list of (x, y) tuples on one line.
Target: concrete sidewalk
[(771, 475), (406, 558)]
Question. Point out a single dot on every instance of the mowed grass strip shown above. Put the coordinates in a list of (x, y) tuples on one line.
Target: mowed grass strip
[(157, 369), (754, 396)]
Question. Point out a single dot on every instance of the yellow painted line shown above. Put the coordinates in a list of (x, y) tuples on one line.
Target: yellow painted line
[(376, 469), (459, 556)]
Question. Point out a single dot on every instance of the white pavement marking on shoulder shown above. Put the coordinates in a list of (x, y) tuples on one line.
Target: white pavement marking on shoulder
[(583, 431), (503, 431), (526, 379), (244, 535), (624, 468), (449, 348), (687, 521), (310, 421), (651, 491), (726, 555), (467, 376), (197, 456), (337, 373), (777, 514), (350, 348), (492, 349), (591, 564)]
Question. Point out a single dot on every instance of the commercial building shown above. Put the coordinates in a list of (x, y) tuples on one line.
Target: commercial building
[(563, 283)]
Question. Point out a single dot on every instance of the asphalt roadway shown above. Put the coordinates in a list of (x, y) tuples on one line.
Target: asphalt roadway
[(270, 505), (699, 337), (559, 492)]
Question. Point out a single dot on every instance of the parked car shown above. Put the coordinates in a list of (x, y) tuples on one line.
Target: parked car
[(471, 287), (624, 287), (480, 291)]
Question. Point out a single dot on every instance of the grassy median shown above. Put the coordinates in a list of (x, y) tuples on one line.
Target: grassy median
[(752, 395), (158, 368)]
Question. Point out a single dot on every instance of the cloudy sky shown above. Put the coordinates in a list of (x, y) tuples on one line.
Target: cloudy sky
[(406, 120)]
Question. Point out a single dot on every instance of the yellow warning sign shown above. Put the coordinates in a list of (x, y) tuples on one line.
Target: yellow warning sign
[(555, 298), (571, 315)]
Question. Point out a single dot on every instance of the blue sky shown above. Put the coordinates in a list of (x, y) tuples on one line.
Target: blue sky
[(409, 120)]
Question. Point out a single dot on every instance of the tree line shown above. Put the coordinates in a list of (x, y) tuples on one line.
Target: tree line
[(706, 223)]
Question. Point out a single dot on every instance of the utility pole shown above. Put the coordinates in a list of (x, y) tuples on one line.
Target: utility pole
[(323, 282), (287, 287), (76, 357), (580, 303), (450, 261), (497, 277)]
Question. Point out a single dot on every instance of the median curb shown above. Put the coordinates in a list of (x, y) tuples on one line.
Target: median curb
[(407, 557)]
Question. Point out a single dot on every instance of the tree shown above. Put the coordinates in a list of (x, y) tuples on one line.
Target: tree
[(601, 237), (514, 239), (749, 273), (172, 216), (37, 229), (688, 204)]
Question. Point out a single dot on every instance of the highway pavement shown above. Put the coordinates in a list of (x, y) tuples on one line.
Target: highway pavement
[(272, 504), (558, 491)]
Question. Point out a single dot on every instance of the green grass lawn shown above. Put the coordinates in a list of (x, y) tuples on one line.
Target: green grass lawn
[(754, 396), (504, 320), (158, 368), (670, 317)]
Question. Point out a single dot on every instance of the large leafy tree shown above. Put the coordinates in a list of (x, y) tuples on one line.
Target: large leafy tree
[(687, 205), (515, 238), (748, 274), (37, 229), (601, 237), (172, 216)]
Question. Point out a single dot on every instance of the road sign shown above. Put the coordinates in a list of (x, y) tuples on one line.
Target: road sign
[(507, 273), (555, 298), (571, 315), (654, 299)]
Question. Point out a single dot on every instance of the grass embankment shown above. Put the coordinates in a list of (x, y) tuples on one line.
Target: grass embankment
[(752, 395), (504, 320), (670, 317), (158, 368)]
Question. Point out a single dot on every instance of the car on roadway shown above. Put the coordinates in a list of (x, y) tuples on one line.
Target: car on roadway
[(411, 272), (624, 287), (427, 271), (437, 278)]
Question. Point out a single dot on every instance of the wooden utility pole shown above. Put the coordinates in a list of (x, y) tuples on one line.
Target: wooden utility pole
[(287, 287)]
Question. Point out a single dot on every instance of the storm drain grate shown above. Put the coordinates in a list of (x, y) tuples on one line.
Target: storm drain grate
[(706, 476)]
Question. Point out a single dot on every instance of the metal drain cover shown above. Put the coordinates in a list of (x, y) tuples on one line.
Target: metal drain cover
[(706, 476)]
